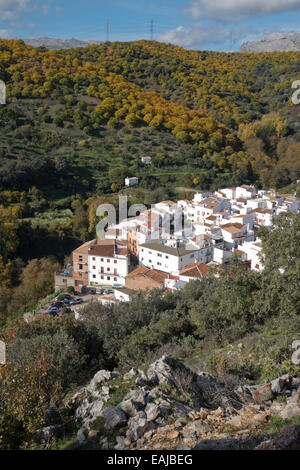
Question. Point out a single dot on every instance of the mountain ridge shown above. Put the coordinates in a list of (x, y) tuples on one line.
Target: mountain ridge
[(57, 43), (273, 42)]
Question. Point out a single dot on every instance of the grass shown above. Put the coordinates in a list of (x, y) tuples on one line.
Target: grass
[(277, 423), (118, 390)]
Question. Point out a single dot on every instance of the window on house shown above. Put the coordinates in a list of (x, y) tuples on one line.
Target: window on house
[(102, 259), (94, 276), (80, 258), (108, 278), (94, 267), (115, 278), (108, 260), (94, 259), (115, 261), (166, 257), (80, 266), (102, 277)]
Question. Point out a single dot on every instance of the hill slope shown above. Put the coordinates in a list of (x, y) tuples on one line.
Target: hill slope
[(230, 111)]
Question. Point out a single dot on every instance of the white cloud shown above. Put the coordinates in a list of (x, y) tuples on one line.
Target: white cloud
[(195, 36), (10, 10), (6, 34), (236, 10), (198, 35)]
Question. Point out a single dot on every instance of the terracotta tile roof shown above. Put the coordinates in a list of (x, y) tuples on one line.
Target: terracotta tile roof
[(168, 203), (239, 252), (195, 270), (123, 252), (84, 249), (157, 276), (233, 228), (102, 250), (260, 210)]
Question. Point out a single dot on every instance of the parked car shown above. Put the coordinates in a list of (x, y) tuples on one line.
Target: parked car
[(67, 296), (53, 310), (75, 301), (92, 290), (57, 304)]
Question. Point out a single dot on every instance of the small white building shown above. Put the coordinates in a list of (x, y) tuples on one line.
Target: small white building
[(123, 294), (253, 251), (146, 160), (245, 191), (131, 181)]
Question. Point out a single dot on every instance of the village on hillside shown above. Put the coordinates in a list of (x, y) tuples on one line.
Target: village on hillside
[(172, 243)]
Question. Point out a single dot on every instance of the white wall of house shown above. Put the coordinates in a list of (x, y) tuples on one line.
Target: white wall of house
[(130, 181), (108, 271), (166, 262), (230, 193), (252, 251), (219, 256), (200, 196), (122, 296), (246, 193)]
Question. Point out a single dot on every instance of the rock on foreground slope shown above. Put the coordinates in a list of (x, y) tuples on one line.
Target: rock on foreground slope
[(273, 42), (170, 407)]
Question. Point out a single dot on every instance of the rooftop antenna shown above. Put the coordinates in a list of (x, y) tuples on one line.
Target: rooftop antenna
[(151, 30)]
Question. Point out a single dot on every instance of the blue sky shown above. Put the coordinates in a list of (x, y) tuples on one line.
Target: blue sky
[(196, 24)]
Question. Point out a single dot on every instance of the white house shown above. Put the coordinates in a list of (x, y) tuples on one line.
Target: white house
[(253, 251), (146, 160), (263, 216), (131, 181), (229, 193), (169, 256), (123, 294), (220, 255), (200, 196), (233, 233), (108, 264), (245, 191)]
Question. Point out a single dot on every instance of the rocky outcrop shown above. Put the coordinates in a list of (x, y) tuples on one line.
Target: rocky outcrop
[(46, 434), (55, 43), (287, 439), (273, 42), (170, 407), (114, 417)]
